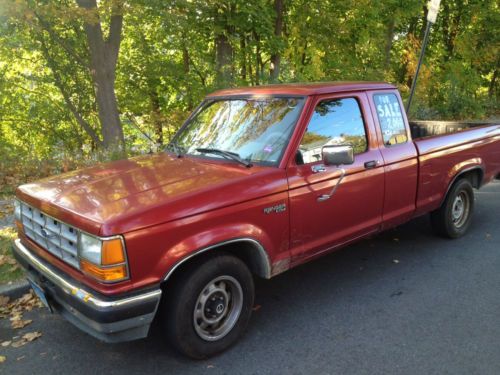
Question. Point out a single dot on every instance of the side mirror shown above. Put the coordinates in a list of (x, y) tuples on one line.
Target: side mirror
[(337, 155)]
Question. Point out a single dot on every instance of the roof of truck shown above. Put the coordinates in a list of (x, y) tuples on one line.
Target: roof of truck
[(302, 89)]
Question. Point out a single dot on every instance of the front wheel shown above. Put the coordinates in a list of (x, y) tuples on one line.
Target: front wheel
[(453, 218), (210, 306)]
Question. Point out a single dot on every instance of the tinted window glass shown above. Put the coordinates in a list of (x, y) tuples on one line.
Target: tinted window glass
[(390, 119), (334, 122)]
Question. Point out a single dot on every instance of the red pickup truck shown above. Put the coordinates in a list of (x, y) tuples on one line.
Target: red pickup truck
[(257, 181)]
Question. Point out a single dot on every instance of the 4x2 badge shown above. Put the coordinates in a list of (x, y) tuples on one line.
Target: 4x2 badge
[(277, 209)]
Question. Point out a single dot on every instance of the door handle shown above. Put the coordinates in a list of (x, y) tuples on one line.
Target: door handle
[(371, 164), (318, 168)]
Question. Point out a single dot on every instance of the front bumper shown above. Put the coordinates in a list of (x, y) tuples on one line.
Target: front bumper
[(109, 319)]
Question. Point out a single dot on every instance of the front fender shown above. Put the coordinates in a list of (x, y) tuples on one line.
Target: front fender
[(214, 238)]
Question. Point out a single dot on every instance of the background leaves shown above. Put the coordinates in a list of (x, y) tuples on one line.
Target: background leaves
[(174, 52)]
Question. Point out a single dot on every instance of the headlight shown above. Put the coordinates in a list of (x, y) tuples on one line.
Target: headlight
[(17, 210), (90, 248), (103, 258)]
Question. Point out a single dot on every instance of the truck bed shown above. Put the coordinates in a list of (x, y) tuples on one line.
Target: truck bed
[(450, 147), (423, 129)]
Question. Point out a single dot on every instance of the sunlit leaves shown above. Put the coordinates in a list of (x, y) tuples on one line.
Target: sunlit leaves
[(167, 60)]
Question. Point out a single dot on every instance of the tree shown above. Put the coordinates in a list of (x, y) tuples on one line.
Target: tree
[(278, 31), (103, 59), (81, 75)]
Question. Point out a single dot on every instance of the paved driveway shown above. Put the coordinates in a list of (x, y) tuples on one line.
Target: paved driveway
[(405, 302)]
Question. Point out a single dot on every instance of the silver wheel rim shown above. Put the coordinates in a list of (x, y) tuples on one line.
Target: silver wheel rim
[(460, 209), (218, 308)]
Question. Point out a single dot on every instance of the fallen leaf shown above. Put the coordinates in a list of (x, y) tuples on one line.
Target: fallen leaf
[(395, 239), (395, 261), (15, 267), (4, 300), (19, 343), (30, 336), (21, 357), (2, 358), (17, 324), (6, 343), (256, 307)]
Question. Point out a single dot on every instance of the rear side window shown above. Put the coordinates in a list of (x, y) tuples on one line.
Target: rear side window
[(334, 122), (390, 119)]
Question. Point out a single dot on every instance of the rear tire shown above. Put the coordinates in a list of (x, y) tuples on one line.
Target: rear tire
[(209, 307), (453, 218)]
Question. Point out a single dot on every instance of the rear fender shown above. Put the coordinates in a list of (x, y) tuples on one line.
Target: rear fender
[(462, 169)]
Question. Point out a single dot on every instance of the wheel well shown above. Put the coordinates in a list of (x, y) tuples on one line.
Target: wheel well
[(475, 176), (249, 251)]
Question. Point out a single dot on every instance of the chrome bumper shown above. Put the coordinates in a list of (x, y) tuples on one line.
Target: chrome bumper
[(109, 319)]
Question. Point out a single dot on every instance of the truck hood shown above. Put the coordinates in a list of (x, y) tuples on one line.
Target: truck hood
[(130, 194)]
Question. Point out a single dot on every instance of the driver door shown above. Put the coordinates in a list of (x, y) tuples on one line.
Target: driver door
[(355, 209)]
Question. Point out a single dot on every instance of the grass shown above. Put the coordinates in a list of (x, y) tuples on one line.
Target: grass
[(9, 269)]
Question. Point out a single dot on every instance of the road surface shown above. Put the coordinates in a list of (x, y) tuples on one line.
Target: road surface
[(404, 302)]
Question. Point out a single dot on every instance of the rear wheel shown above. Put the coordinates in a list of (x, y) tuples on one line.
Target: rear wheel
[(210, 306), (453, 218)]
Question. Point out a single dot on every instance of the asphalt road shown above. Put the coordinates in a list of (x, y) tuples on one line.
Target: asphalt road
[(404, 302)]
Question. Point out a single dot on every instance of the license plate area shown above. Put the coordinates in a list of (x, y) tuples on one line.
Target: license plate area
[(40, 294)]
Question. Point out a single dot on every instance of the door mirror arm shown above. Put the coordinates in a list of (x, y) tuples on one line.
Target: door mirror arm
[(336, 155)]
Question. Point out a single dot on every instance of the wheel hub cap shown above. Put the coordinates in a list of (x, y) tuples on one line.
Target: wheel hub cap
[(216, 305), (218, 308), (460, 209)]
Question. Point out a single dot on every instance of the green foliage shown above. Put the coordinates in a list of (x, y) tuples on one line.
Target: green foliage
[(9, 269), (173, 53)]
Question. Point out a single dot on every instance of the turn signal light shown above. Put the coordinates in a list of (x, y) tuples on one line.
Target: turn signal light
[(112, 252), (113, 273)]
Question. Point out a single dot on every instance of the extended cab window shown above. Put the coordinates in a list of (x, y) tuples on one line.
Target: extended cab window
[(390, 119), (334, 122)]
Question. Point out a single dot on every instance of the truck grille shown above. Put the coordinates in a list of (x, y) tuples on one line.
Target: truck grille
[(53, 235)]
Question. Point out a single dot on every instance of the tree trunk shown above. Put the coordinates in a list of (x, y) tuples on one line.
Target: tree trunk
[(187, 69), (388, 42), (224, 49), (103, 59), (157, 117), (258, 58), (303, 58), (223, 53), (243, 48), (493, 88), (451, 26), (278, 31)]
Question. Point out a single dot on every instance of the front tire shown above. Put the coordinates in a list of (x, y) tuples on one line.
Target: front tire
[(209, 307), (453, 218)]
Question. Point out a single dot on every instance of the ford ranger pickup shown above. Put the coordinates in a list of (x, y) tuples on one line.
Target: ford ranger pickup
[(256, 181)]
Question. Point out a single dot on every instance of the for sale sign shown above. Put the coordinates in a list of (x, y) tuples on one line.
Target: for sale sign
[(433, 7)]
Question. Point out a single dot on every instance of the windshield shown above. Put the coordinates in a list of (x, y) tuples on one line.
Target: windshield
[(253, 129)]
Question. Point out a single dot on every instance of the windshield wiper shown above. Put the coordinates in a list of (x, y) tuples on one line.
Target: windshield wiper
[(179, 151), (227, 154)]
